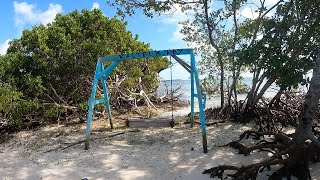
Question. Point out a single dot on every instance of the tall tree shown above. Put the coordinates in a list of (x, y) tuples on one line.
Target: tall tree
[(214, 29), (284, 53)]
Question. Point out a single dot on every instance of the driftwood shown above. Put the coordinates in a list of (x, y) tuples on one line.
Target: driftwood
[(133, 98)]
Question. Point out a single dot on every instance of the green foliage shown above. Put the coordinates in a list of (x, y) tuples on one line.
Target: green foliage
[(8, 97), (289, 44), (12, 106), (229, 43), (53, 111), (66, 52), (149, 7), (54, 63), (22, 108), (209, 85)]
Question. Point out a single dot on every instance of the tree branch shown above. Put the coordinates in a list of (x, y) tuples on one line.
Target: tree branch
[(56, 94)]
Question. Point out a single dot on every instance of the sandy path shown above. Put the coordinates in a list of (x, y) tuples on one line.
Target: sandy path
[(148, 154)]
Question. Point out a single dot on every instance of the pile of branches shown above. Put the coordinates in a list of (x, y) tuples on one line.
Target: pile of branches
[(282, 113), (269, 115), (133, 98), (54, 107)]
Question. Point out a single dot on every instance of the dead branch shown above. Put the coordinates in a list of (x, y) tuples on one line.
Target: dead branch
[(63, 106), (247, 150), (280, 136), (56, 94), (145, 96), (218, 171), (207, 124), (247, 172)]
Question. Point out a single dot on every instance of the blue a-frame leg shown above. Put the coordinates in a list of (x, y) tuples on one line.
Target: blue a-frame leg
[(102, 73), (192, 97), (201, 105), (106, 97), (92, 103)]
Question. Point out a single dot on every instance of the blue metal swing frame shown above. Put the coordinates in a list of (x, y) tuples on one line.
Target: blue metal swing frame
[(101, 73)]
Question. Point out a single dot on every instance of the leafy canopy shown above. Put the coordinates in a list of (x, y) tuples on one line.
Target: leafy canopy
[(55, 63)]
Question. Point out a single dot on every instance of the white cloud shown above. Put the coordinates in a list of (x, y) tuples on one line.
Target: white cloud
[(26, 13), (95, 5), (172, 19), (177, 36), (4, 46), (249, 12)]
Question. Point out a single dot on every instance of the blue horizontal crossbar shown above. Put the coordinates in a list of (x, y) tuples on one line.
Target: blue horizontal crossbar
[(171, 52), (99, 101)]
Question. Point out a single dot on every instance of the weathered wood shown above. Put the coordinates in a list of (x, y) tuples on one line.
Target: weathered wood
[(150, 122)]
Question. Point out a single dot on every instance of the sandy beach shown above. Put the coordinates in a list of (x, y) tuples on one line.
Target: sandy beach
[(149, 153)]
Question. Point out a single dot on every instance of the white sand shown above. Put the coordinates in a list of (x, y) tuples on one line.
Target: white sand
[(149, 154)]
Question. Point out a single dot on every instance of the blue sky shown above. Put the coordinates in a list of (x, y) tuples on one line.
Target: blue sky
[(160, 32)]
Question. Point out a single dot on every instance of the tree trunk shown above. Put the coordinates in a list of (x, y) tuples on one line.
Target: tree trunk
[(253, 88), (211, 27), (276, 99), (309, 108), (299, 151), (262, 91), (233, 88), (221, 82)]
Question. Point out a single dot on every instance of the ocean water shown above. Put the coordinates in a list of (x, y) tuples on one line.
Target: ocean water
[(183, 85), (212, 101)]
